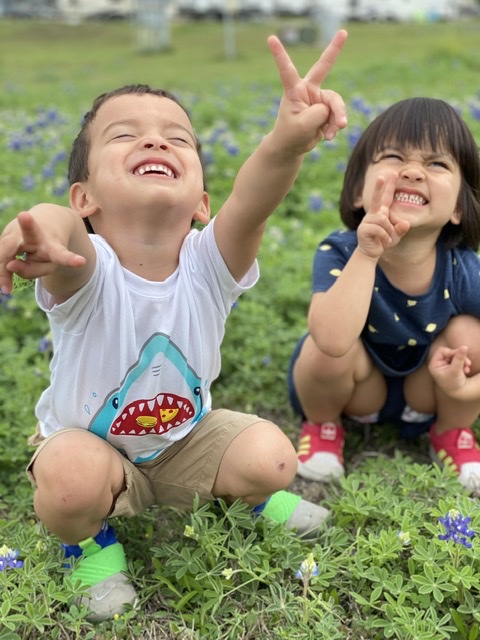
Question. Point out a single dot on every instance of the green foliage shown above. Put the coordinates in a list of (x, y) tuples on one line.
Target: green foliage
[(379, 567), (382, 570)]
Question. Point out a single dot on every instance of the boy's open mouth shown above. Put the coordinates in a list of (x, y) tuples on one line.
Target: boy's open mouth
[(156, 169)]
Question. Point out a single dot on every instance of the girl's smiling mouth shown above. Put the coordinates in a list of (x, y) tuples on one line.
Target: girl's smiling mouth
[(409, 198)]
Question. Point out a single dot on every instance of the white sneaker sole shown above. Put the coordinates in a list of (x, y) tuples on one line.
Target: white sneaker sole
[(322, 467), (109, 597)]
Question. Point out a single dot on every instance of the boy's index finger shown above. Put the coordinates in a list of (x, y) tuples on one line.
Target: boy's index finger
[(320, 70), (286, 69)]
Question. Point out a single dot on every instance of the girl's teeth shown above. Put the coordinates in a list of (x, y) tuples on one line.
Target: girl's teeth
[(409, 197)]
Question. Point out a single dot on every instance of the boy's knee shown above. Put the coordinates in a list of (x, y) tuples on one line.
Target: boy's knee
[(275, 460), (73, 471), (261, 460)]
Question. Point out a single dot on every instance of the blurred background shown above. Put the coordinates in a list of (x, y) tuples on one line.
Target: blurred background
[(363, 10), (157, 15)]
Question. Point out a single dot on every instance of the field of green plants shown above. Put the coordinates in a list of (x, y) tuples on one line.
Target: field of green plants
[(386, 566)]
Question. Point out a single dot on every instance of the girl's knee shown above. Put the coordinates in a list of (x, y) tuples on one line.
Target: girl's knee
[(460, 330)]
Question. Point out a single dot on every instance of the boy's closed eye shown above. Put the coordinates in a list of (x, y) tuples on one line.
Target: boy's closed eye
[(123, 135), (179, 139)]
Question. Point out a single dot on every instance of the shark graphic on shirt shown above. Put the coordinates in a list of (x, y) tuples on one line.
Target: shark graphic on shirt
[(159, 401)]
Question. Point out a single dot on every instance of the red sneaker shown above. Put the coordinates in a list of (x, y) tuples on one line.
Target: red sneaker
[(458, 449), (320, 451)]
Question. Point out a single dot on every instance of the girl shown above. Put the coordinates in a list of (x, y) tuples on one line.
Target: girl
[(394, 329)]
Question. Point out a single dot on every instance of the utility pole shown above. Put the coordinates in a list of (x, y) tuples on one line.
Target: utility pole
[(153, 25)]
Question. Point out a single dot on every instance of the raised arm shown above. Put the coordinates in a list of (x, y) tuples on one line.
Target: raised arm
[(48, 242), (307, 114), (337, 317)]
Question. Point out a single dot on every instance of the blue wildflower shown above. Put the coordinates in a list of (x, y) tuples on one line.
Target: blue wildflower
[(60, 187), (48, 172), (475, 111), (45, 344), (354, 136), (456, 528), (308, 569), (8, 559), (360, 105), (404, 537), (5, 298), (315, 202), (60, 156), (231, 148), (28, 183)]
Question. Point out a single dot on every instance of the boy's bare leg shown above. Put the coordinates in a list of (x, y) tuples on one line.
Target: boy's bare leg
[(257, 466), (78, 477), (260, 461)]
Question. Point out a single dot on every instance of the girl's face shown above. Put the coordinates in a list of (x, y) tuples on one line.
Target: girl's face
[(427, 185)]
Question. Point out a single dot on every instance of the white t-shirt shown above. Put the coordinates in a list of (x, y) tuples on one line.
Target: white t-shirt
[(134, 359)]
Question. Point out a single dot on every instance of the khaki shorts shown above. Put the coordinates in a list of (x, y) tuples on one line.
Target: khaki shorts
[(187, 468)]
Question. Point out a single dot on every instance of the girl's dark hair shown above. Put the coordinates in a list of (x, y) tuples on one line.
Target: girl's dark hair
[(78, 162), (417, 122)]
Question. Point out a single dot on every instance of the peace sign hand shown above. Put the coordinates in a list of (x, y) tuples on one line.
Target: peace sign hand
[(308, 113)]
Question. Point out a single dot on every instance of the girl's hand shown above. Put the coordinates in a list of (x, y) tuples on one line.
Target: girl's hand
[(450, 368), (380, 229)]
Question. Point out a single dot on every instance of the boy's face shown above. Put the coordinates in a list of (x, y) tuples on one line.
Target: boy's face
[(427, 185), (143, 156)]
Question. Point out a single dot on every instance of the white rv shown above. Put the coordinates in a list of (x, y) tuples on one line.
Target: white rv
[(80, 9)]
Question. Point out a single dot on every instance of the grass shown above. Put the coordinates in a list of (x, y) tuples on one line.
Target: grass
[(216, 573), (61, 63)]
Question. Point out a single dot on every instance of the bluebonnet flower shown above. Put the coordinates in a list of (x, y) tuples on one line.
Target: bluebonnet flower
[(28, 183), (48, 171), (456, 528), (404, 537), (231, 148), (353, 136), (60, 156), (189, 532), (308, 569), (360, 105), (8, 558), (60, 187), (314, 154), (315, 202), (15, 143), (5, 298), (45, 344), (227, 573), (475, 111), (207, 157)]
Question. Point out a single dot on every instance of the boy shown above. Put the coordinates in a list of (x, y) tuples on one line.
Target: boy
[(137, 310)]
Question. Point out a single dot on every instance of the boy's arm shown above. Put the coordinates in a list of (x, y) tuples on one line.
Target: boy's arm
[(307, 114), (48, 242)]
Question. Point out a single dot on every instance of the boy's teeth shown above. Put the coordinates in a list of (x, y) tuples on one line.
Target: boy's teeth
[(409, 197), (155, 168)]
